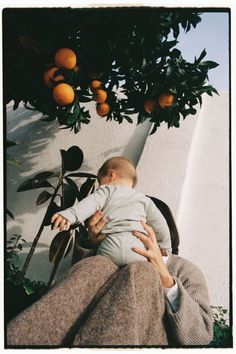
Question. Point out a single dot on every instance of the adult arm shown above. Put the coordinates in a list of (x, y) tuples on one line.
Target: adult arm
[(153, 254), (189, 321)]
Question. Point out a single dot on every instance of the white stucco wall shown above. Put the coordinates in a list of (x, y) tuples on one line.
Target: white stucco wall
[(185, 167)]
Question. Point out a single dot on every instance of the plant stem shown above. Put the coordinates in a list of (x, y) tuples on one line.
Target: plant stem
[(34, 244)]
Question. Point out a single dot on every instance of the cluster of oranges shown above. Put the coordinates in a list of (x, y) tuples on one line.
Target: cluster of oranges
[(100, 96), (63, 93), (166, 99)]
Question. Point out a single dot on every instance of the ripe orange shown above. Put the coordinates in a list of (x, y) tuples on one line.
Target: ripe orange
[(166, 99), (48, 76), (149, 105), (103, 109), (63, 94), (95, 85), (65, 58), (100, 96)]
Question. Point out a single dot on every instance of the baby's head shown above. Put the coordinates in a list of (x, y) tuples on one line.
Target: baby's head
[(117, 170)]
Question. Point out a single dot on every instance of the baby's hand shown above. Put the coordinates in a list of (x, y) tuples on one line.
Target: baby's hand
[(58, 221)]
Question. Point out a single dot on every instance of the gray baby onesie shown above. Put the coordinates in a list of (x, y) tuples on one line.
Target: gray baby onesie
[(123, 209)]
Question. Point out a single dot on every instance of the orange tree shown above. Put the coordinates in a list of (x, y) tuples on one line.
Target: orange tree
[(125, 60)]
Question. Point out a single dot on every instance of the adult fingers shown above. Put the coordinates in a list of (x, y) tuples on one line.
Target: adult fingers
[(141, 251), (96, 218), (98, 227), (145, 239), (101, 237)]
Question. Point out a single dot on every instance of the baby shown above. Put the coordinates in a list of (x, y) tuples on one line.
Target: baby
[(123, 209)]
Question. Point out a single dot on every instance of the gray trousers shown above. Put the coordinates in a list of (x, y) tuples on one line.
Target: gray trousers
[(118, 247), (96, 304)]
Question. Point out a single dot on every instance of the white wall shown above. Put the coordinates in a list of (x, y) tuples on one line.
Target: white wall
[(186, 167), (203, 216), (39, 150)]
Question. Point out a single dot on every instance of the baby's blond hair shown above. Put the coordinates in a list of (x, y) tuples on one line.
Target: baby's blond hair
[(124, 168)]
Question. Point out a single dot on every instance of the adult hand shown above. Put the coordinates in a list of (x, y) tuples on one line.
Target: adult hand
[(95, 226), (153, 254)]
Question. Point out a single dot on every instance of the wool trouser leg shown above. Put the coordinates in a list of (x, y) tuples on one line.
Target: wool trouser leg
[(130, 310), (48, 320)]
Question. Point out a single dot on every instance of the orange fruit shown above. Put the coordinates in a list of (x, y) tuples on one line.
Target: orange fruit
[(166, 99), (149, 105), (65, 58), (63, 94), (95, 85), (100, 96), (48, 76), (103, 109)]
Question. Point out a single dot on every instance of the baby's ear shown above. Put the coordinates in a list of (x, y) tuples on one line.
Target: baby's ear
[(112, 173)]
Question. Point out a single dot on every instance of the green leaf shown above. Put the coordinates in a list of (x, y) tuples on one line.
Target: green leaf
[(202, 55), (170, 44), (82, 174), (38, 181), (10, 143), (141, 118), (28, 289), (212, 89), (69, 195), (84, 99), (128, 118), (33, 184), (43, 197), (16, 104), (209, 64), (60, 246), (154, 129), (9, 213), (72, 158), (45, 175), (52, 209), (86, 188), (71, 183)]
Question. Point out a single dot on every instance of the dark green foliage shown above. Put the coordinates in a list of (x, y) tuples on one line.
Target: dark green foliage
[(127, 49), (222, 331), (67, 191), (60, 246), (20, 292)]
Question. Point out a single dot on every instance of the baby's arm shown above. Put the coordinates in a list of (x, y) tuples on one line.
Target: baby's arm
[(159, 224), (82, 210)]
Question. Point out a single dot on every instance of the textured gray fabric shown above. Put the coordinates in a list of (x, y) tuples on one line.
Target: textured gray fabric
[(98, 304), (123, 209)]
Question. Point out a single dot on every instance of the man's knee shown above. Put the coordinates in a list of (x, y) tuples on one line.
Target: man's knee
[(94, 263), (144, 273)]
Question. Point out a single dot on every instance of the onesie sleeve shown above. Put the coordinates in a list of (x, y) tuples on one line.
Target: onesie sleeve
[(159, 224), (82, 210)]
